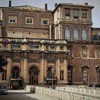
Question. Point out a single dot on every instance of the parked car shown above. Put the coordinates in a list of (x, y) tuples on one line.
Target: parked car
[(3, 90)]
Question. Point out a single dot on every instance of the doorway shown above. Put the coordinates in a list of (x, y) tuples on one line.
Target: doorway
[(33, 75)]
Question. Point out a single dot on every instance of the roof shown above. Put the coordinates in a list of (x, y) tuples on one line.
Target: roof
[(71, 4), (95, 28), (26, 8)]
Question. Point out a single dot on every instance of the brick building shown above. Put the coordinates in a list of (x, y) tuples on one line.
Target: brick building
[(41, 45)]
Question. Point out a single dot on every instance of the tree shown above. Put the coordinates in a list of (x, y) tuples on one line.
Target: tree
[(3, 62)]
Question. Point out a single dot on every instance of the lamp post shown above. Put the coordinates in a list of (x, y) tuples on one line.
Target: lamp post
[(52, 70)]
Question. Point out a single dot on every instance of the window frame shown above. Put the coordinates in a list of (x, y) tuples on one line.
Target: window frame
[(84, 32), (44, 19), (34, 46), (98, 53), (76, 32), (84, 55), (29, 22), (67, 12), (12, 19), (67, 33), (74, 15), (84, 17), (85, 73)]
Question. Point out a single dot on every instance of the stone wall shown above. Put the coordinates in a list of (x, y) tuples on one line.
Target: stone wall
[(74, 94)]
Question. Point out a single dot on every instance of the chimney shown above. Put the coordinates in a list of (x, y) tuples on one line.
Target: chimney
[(46, 7), (55, 5), (86, 3), (9, 3)]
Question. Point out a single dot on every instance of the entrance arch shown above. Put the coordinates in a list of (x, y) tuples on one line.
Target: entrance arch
[(70, 74), (15, 72), (33, 75)]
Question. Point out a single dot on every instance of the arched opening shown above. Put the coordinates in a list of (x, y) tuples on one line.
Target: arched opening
[(85, 74), (15, 72), (51, 78), (16, 81), (70, 75), (98, 74), (33, 75)]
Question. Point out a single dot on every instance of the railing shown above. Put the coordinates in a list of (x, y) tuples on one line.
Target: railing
[(66, 95)]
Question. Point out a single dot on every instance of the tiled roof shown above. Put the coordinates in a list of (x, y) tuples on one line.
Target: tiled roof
[(26, 8)]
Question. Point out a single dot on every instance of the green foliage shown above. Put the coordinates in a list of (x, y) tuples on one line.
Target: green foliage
[(3, 62)]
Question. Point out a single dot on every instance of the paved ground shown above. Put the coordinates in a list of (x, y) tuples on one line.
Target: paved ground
[(23, 95)]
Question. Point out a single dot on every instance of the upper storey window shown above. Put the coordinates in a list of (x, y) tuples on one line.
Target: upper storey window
[(98, 53), (76, 13), (29, 20), (84, 33), (75, 33), (84, 52), (12, 19), (67, 12), (84, 13), (67, 33), (45, 21)]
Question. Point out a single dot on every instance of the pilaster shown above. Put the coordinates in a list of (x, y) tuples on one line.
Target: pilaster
[(9, 65)]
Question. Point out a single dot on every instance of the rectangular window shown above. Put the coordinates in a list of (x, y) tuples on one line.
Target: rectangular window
[(84, 52), (34, 46), (67, 12), (98, 53), (84, 13), (51, 47), (29, 20), (61, 75), (16, 46), (45, 21), (75, 33), (84, 34), (67, 33), (76, 13), (12, 19)]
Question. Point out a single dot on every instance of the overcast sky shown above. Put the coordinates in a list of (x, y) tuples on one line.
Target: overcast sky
[(41, 3)]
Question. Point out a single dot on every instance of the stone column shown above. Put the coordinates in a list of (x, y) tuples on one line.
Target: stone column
[(42, 66), (65, 71), (22, 68), (9, 65), (25, 69), (58, 68), (45, 67)]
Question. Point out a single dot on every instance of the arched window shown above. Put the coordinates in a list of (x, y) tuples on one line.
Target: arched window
[(75, 33), (84, 33), (4, 75), (67, 33), (15, 72), (98, 74), (33, 75), (70, 74), (85, 73), (50, 73), (62, 75)]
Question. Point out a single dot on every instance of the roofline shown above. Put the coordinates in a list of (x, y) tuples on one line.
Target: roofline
[(95, 27), (71, 4), (26, 6)]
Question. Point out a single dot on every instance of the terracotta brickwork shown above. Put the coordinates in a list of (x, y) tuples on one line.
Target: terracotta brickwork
[(43, 46)]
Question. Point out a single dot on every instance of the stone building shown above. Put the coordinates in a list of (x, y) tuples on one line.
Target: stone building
[(44, 46)]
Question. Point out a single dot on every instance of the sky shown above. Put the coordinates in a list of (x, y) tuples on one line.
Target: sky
[(51, 3)]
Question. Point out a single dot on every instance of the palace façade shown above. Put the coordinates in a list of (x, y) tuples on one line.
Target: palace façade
[(42, 45)]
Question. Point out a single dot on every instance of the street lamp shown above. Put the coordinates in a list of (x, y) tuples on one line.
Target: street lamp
[(52, 70)]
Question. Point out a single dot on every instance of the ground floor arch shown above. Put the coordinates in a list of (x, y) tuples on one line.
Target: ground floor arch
[(33, 75)]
